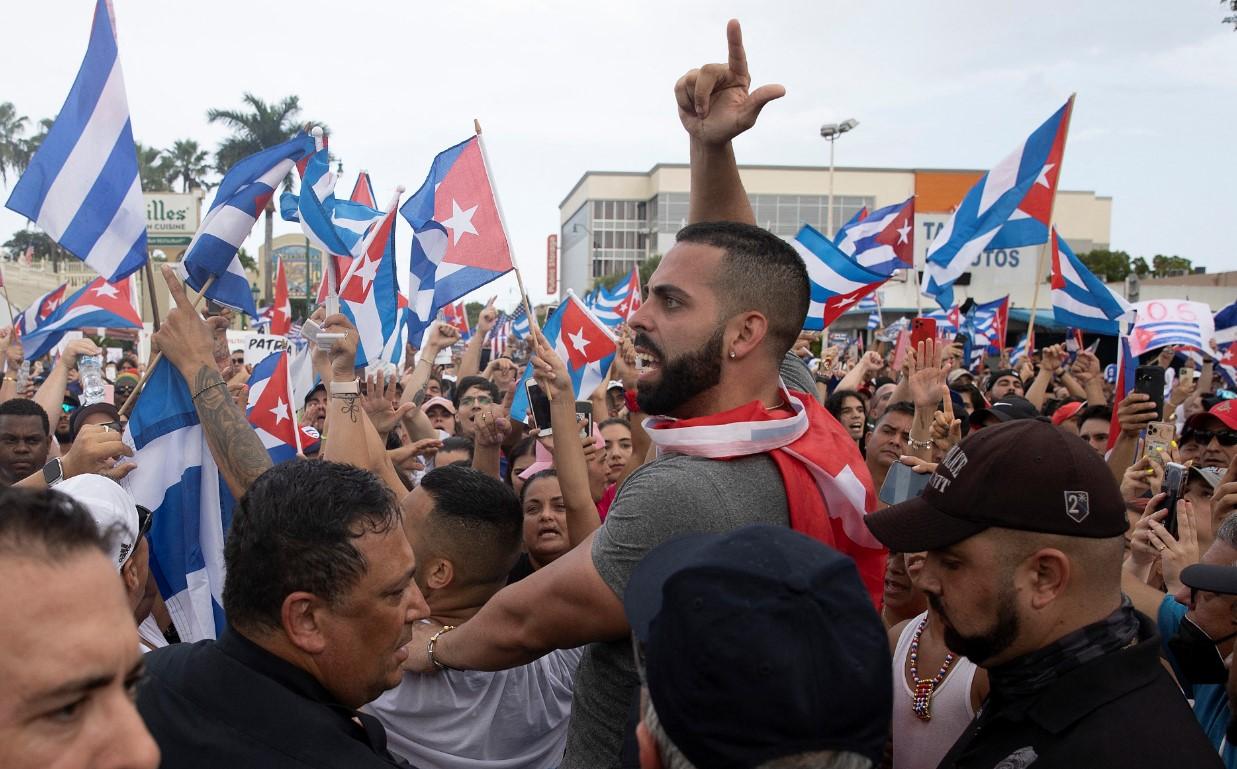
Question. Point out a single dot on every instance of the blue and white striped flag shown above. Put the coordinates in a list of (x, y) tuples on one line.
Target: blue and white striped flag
[(177, 479), (520, 328), (868, 304), (832, 274), (1079, 298), (1019, 351), (82, 186), (241, 198)]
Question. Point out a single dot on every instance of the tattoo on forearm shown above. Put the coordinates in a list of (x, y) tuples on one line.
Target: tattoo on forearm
[(237, 449), (349, 406)]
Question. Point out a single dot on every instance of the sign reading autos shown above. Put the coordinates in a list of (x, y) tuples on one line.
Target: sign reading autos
[(171, 218)]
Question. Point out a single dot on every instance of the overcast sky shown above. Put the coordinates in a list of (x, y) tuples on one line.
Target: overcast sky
[(565, 87)]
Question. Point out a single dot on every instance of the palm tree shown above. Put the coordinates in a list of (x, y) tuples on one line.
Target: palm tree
[(12, 126), (27, 147), (188, 163), (154, 169), (262, 125)]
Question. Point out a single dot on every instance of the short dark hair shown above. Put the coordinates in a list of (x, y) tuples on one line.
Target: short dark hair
[(614, 421), (458, 443), (469, 382), (836, 398), (46, 525), (760, 272), (1098, 411), (476, 521), (901, 407), (547, 473), (294, 530), (24, 407)]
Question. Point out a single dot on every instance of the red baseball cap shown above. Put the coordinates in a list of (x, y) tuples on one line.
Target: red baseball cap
[(1223, 411), (1066, 412)]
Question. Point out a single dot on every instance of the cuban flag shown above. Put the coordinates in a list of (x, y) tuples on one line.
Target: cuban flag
[(1079, 299), (583, 342), (838, 283), (459, 240), (31, 318), (1225, 324), (883, 241), (859, 216), (98, 304), (633, 295), (241, 198), (368, 292), (456, 316), (1127, 364), (272, 409), (177, 479), (82, 185), (519, 323), (1019, 351), (363, 191), (607, 303), (869, 305), (986, 322), (1025, 182)]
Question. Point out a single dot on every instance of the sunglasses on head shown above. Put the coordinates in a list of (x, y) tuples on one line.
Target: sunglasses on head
[(1227, 438)]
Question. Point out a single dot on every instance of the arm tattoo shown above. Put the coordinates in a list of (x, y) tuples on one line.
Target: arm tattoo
[(236, 447), (349, 406)]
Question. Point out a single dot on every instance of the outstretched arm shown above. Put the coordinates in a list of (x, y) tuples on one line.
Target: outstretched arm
[(715, 105), (188, 342)]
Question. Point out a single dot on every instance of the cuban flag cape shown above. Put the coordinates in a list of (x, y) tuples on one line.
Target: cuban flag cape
[(1025, 182), (833, 276), (583, 342), (828, 487), (178, 480), (459, 241), (1079, 299), (98, 304)]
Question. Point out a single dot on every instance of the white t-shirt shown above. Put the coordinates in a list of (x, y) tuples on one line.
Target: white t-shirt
[(470, 719)]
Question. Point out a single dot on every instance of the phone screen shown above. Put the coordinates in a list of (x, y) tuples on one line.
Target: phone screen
[(541, 407), (584, 410), (902, 483)]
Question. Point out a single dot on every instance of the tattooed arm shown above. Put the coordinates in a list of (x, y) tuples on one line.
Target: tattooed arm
[(187, 340)]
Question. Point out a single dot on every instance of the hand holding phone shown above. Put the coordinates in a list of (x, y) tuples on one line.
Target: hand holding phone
[(922, 329), (1149, 380), (1174, 486), (902, 483)]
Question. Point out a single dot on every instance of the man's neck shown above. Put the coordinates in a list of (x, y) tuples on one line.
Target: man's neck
[(454, 607), (730, 394), (878, 473)]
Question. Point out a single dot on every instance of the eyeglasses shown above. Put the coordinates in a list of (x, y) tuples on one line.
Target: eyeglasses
[(479, 400), (66, 408), (1227, 438), (144, 519)]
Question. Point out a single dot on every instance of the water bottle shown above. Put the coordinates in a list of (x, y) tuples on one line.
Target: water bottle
[(90, 377)]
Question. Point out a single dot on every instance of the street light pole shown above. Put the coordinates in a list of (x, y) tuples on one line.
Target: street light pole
[(830, 132)]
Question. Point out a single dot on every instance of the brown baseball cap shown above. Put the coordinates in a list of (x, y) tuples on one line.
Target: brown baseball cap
[(1024, 474)]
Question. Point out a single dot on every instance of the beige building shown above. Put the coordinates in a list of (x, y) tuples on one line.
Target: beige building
[(613, 220)]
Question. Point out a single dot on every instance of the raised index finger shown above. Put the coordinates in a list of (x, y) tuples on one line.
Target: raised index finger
[(737, 57), (176, 289)]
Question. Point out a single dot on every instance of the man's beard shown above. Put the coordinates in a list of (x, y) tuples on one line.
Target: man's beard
[(981, 648), (683, 378), (64, 437)]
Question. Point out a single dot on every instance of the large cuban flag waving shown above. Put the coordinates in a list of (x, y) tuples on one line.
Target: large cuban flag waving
[(1013, 201), (583, 342), (837, 282), (98, 304), (459, 241)]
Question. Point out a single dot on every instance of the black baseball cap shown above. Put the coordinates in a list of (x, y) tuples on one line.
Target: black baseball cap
[(1007, 409), (1025, 474), (1210, 577), (317, 386), (760, 643)]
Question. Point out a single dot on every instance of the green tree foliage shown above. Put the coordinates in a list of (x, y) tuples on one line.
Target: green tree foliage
[(12, 141), (1108, 266), (1140, 267), (254, 127), (189, 164), (154, 168), (44, 247), (1163, 266)]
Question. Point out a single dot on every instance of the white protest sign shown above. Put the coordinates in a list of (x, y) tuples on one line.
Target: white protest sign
[(259, 346), (1164, 322)]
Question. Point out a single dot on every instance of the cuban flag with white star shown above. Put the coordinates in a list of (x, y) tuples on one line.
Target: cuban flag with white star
[(272, 408), (1009, 206), (1079, 298), (837, 282), (459, 242), (369, 294), (583, 342), (884, 240), (98, 304)]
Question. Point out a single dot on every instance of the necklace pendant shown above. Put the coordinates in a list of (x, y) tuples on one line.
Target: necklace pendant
[(921, 702)]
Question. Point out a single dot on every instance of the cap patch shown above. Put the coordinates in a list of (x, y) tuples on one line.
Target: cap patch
[(1077, 505)]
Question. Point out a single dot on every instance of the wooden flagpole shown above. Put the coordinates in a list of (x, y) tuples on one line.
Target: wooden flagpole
[(127, 406), (1039, 261), (150, 292), (502, 220)]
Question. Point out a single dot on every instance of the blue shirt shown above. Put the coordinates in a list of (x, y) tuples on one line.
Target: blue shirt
[(1210, 700)]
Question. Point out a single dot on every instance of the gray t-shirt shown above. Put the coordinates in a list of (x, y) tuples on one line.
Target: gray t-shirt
[(670, 496)]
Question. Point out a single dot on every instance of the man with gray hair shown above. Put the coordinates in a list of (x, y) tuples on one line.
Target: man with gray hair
[(777, 627)]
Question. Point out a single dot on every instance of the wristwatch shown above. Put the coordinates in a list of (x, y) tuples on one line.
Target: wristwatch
[(345, 388), (53, 472)]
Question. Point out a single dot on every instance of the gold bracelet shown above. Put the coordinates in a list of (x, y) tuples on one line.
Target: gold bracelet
[(429, 649)]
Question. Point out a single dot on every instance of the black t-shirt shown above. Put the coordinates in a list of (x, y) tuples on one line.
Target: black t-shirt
[(523, 567)]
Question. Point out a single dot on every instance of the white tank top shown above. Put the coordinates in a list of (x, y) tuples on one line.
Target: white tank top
[(922, 744)]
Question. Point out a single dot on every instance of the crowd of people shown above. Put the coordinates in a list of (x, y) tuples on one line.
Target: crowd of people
[(701, 575)]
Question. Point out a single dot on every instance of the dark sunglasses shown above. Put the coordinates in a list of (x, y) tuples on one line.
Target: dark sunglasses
[(144, 518), (67, 408), (1227, 438)]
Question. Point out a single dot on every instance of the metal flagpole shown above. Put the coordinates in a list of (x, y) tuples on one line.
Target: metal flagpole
[(502, 220), (329, 273)]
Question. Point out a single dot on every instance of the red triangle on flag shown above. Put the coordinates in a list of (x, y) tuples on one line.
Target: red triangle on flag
[(585, 340)]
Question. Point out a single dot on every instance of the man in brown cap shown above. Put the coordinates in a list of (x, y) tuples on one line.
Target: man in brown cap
[(1023, 527)]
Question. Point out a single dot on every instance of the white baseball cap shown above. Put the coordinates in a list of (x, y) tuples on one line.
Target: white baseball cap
[(112, 509)]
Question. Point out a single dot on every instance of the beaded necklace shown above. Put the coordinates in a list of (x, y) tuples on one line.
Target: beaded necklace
[(921, 701)]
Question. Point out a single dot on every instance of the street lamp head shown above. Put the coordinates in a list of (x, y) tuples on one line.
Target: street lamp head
[(832, 131), (848, 124)]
